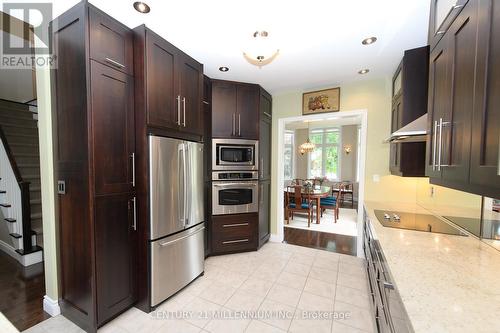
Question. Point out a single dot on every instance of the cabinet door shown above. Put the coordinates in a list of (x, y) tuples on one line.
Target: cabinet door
[(485, 151), (443, 12), (191, 92), (395, 149), (456, 128), (265, 133), (115, 239), (439, 100), (247, 118), (264, 210), (163, 99), (223, 109), (113, 134), (111, 42)]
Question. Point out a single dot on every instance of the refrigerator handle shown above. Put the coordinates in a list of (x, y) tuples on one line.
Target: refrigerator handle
[(185, 148), (180, 206)]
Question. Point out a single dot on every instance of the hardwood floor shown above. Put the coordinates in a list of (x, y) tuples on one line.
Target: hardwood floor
[(21, 292), (321, 240)]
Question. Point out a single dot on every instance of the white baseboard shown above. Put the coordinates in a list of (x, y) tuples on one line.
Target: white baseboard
[(276, 238), (26, 260), (51, 306)]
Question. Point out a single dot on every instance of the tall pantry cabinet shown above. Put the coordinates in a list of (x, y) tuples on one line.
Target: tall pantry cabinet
[(93, 106)]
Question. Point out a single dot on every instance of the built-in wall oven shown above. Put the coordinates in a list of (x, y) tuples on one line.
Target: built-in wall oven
[(235, 192), (234, 154)]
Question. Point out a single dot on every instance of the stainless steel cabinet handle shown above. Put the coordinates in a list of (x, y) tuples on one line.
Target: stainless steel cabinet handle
[(233, 130), (242, 185), (440, 32), (440, 143), (134, 201), (185, 184), (234, 225), (239, 124), (388, 285), (457, 6), (435, 138), (133, 168), (114, 63), (261, 192), (236, 241), (184, 111), (267, 114), (179, 110), (181, 238)]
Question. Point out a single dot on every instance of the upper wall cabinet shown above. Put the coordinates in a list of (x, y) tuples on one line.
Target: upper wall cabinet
[(235, 110), (443, 13), (409, 102), (464, 116), (172, 85)]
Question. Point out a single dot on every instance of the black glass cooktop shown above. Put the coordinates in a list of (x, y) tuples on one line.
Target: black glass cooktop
[(418, 222)]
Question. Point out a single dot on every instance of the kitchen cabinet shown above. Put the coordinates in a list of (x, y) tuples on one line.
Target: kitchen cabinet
[(485, 149), (462, 149), (443, 13), (264, 211), (93, 102), (234, 233), (265, 146), (235, 110), (409, 102), (171, 85)]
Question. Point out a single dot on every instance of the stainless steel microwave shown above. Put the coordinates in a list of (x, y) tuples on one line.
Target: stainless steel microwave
[(234, 154)]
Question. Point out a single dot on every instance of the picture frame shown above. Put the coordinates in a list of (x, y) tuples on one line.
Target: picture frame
[(321, 101)]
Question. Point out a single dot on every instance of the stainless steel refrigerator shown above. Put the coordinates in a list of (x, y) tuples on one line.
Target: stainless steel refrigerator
[(177, 215)]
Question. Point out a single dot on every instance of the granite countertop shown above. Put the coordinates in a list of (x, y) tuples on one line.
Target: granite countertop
[(447, 283)]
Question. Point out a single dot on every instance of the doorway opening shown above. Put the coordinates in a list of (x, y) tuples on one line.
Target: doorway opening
[(327, 214)]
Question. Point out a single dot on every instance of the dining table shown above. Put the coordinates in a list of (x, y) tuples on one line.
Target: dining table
[(315, 193)]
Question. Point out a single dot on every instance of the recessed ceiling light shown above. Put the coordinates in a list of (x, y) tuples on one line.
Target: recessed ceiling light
[(141, 7), (224, 69), (369, 40), (363, 71)]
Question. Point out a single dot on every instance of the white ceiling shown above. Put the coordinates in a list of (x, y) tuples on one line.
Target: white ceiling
[(319, 40)]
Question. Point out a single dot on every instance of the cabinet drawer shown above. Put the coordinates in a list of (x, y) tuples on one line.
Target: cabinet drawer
[(224, 228), (233, 244), (111, 42), (232, 233)]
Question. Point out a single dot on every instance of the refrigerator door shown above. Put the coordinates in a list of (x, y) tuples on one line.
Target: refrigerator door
[(167, 186), (195, 212), (175, 261)]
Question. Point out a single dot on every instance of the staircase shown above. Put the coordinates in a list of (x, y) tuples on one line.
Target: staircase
[(19, 130)]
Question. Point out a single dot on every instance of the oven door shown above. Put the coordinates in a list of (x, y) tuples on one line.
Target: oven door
[(234, 197)]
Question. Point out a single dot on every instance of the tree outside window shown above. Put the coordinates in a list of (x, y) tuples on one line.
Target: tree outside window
[(324, 160)]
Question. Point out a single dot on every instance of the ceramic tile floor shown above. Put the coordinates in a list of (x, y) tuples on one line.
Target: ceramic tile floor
[(284, 287)]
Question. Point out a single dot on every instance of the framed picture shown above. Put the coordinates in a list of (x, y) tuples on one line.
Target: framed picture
[(327, 100)]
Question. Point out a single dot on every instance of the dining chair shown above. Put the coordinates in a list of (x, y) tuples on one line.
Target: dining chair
[(332, 202), (348, 190), (297, 181), (298, 201)]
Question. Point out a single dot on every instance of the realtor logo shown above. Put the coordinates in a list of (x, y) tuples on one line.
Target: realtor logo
[(25, 35)]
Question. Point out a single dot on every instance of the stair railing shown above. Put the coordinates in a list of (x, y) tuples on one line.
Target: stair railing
[(20, 190)]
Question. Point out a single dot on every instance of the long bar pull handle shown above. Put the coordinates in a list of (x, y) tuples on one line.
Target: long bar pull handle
[(114, 63), (440, 143), (184, 111), (178, 110), (183, 237), (134, 201), (235, 225), (133, 168), (236, 241), (239, 124), (233, 130), (435, 138), (261, 167), (185, 185)]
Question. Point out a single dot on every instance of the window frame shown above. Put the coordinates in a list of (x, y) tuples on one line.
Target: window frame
[(292, 160), (324, 146)]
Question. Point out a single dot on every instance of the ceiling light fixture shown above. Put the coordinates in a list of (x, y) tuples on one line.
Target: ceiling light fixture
[(307, 146), (369, 40), (261, 51), (224, 69), (141, 7), (363, 71)]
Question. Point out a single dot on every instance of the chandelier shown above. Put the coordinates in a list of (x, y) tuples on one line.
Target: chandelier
[(262, 52), (308, 146)]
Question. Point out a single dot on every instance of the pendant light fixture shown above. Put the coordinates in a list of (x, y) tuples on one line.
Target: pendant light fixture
[(307, 146), (260, 52)]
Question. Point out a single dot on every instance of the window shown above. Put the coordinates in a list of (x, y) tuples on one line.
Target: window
[(289, 151), (324, 160)]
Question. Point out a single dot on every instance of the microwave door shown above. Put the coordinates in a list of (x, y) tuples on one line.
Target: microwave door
[(166, 186), (195, 184)]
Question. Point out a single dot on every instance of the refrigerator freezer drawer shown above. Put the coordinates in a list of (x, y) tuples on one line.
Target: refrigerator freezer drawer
[(176, 261)]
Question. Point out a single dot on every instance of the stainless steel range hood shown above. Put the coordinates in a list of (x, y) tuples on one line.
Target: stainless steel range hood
[(416, 131)]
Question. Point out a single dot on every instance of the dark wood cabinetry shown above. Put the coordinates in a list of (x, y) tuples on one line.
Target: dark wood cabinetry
[(265, 145), (235, 110), (443, 12), (173, 86), (409, 102), (463, 144), (234, 233), (94, 111)]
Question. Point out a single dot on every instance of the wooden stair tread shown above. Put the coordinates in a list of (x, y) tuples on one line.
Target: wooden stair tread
[(35, 201), (10, 219), (3, 191), (6, 205), (35, 248), (16, 236), (36, 216)]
